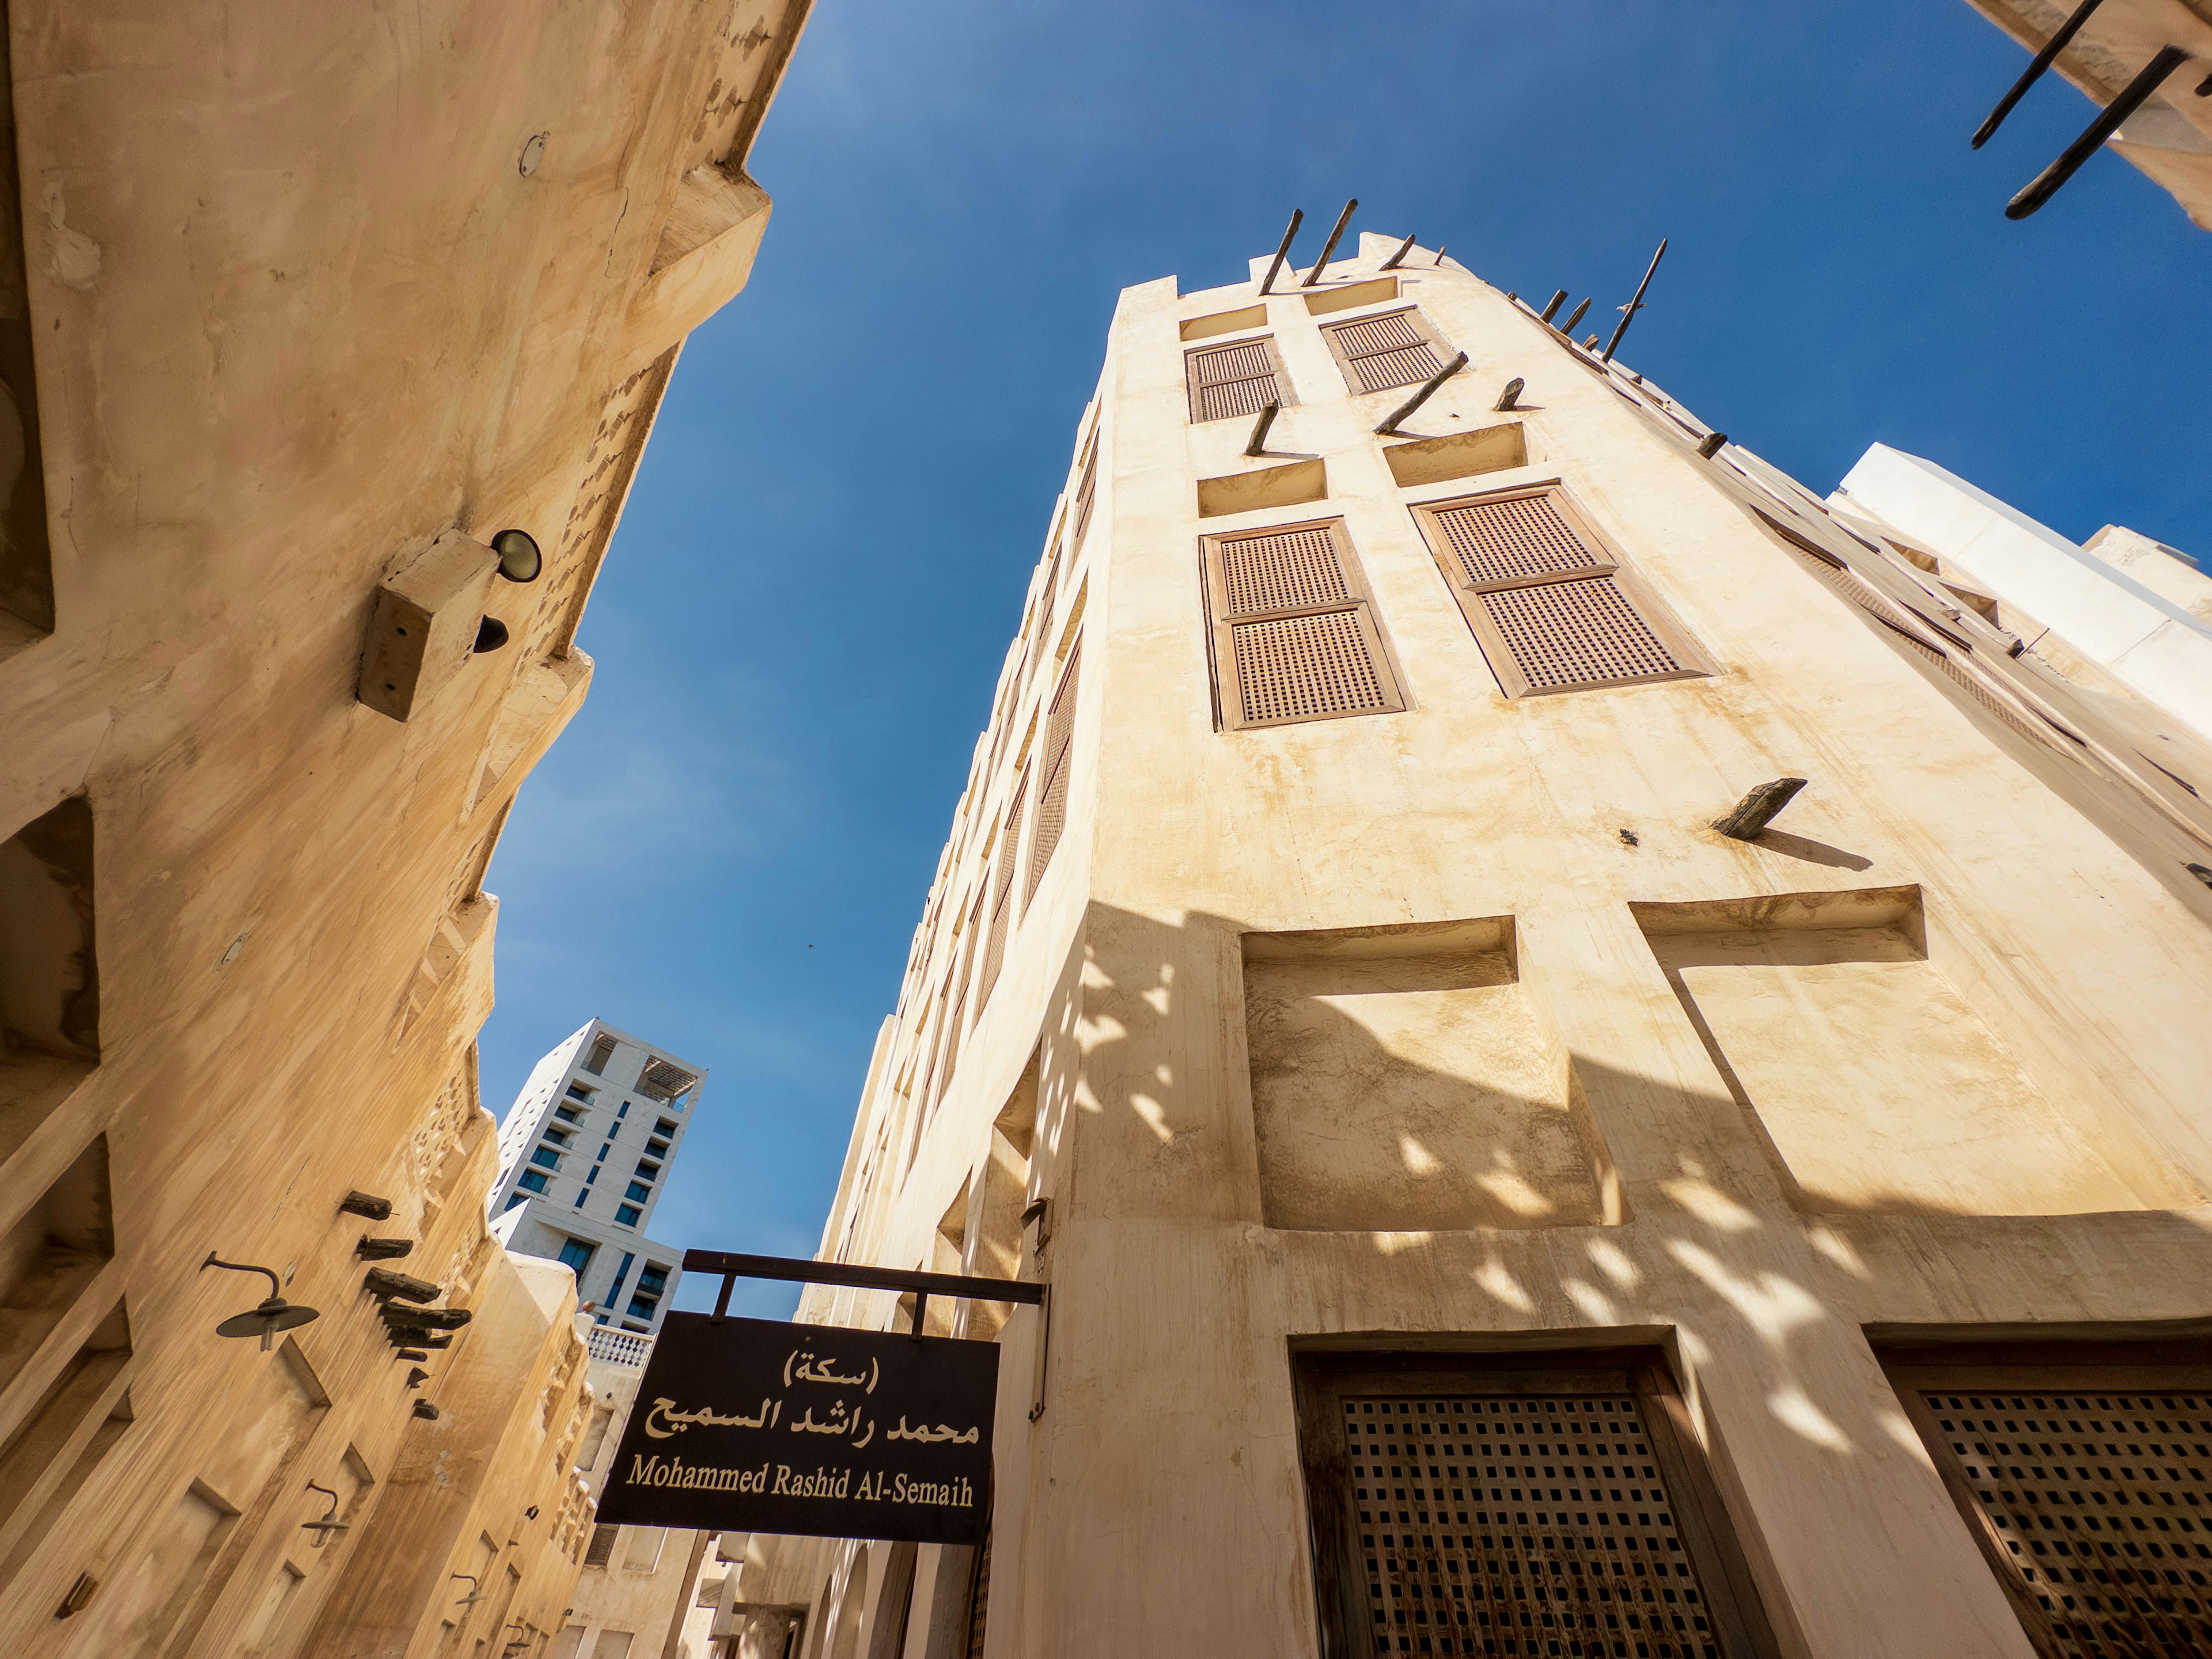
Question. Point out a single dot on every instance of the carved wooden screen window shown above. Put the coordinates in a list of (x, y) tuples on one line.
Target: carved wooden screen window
[(1496, 1508), (2089, 1490), (1292, 634), (1052, 789), (1086, 491), (1002, 893), (1376, 353), (1548, 598), (1235, 380)]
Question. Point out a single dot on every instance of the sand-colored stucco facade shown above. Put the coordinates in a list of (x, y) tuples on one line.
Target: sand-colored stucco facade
[(1447, 1032), (299, 310)]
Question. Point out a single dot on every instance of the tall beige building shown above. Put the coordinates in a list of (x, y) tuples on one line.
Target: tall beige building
[(313, 319), (1487, 1209)]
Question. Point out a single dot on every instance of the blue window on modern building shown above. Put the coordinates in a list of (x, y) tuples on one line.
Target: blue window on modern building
[(627, 1214), (576, 1255), (546, 1158), (532, 1181), (621, 1274), (514, 1199), (639, 1191)]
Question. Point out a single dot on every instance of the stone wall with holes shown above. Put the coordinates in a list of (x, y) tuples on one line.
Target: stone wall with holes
[(426, 287), (1427, 1017)]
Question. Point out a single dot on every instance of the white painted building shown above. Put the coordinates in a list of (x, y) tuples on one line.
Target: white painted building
[(584, 1155), (2121, 613)]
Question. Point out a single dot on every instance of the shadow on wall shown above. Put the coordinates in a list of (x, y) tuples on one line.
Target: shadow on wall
[(1404, 1090)]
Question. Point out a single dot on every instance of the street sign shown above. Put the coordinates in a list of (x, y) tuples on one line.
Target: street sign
[(754, 1425)]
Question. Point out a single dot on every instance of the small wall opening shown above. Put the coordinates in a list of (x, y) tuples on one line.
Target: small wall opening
[(1375, 293), (1459, 454), (27, 575), (1269, 486), (49, 968), (52, 1252), (997, 1229), (44, 1461), (1225, 322)]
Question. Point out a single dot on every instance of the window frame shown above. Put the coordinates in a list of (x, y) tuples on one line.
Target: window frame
[(1322, 1378), (1346, 362), (2030, 1368), (1285, 394), (1608, 561), (1220, 650)]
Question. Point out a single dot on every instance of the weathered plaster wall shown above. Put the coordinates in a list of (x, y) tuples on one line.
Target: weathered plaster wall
[(306, 291)]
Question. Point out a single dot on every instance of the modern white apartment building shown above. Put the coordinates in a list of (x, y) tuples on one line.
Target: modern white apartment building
[(584, 1155)]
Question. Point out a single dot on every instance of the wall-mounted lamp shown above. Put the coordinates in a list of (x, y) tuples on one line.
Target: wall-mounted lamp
[(274, 1314), (519, 561), (491, 634), (329, 1522), (530, 1514)]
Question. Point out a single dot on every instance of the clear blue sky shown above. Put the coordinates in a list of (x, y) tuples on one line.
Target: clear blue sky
[(801, 620)]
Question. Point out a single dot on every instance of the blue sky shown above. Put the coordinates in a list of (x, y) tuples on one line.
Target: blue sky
[(802, 617)]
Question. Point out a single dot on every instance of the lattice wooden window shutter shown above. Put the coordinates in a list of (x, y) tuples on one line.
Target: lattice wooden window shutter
[(1052, 790), (1376, 353), (1086, 492), (2086, 1492), (1547, 597), (1461, 1510), (1235, 380), (995, 951), (1293, 634)]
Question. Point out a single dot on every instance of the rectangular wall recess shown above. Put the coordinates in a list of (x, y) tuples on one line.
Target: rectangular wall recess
[(1459, 454), (1290, 485), (1224, 322), (1403, 1080), (1376, 292)]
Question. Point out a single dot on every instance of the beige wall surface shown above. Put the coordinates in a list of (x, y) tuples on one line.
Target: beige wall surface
[(298, 306), (1459, 1029)]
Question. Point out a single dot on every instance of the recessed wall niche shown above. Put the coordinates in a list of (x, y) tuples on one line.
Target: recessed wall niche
[(1875, 1082), (49, 972), (1402, 1081)]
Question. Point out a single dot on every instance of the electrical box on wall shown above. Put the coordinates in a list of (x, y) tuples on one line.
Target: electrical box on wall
[(425, 626)]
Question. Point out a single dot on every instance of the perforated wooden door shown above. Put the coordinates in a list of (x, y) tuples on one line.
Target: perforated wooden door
[(1232, 380), (2092, 1505), (1379, 352), (1547, 597), (1528, 1513), (1293, 631)]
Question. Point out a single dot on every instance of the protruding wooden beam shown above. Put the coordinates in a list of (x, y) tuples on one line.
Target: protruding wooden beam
[(1636, 301), (1298, 218), (1258, 443), (2042, 61), (1553, 309), (1757, 810), (1574, 317), (1404, 248), (1329, 246), (1510, 398), (1405, 409), (2047, 183)]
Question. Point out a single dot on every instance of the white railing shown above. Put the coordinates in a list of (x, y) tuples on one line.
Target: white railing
[(625, 1348)]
